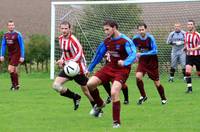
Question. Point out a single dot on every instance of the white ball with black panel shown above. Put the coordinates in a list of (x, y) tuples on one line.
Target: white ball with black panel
[(71, 68)]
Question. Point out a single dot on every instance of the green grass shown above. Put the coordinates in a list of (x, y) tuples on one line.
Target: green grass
[(38, 108)]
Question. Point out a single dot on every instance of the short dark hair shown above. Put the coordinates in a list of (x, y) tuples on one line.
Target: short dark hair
[(65, 23), (142, 24), (111, 23), (10, 21), (191, 21)]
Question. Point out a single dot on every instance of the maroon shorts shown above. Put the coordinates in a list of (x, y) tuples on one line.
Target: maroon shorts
[(107, 74), (149, 65), (14, 59)]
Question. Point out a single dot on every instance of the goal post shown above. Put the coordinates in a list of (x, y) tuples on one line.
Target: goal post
[(86, 18)]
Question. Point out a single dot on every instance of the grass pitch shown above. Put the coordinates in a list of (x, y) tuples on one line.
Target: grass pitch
[(36, 107)]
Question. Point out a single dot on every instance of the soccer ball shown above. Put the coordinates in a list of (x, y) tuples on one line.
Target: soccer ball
[(71, 68)]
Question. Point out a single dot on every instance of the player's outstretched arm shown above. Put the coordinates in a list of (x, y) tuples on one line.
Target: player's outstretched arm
[(131, 51), (100, 52)]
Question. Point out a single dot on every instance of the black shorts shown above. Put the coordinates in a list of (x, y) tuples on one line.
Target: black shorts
[(193, 60), (81, 79)]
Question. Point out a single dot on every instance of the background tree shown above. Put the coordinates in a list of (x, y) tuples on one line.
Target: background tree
[(38, 50)]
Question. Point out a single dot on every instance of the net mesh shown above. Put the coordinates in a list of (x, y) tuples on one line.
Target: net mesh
[(160, 17)]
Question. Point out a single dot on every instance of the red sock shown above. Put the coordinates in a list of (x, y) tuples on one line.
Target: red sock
[(96, 97), (161, 92), (140, 85), (116, 112), (12, 78), (16, 79)]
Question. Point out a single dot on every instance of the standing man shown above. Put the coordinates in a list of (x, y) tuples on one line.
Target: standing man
[(71, 50), (122, 54), (176, 39), (15, 44), (148, 62), (192, 47)]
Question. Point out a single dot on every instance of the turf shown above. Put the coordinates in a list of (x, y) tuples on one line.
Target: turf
[(36, 107)]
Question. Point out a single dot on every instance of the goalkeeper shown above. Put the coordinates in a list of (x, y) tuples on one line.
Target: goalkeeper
[(176, 39)]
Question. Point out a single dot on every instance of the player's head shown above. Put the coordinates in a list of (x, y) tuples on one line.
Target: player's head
[(177, 27), (110, 27), (11, 25), (142, 27), (191, 25), (65, 28)]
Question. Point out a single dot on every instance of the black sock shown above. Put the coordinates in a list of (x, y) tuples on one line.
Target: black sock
[(68, 94), (92, 103), (125, 92), (172, 71), (189, 82), (107, 88), (183, 71)]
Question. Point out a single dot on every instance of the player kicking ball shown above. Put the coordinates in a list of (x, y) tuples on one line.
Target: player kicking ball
[(122, 55)]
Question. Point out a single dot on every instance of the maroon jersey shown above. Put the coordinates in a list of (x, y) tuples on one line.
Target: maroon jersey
[(116, 50), (12, 43)]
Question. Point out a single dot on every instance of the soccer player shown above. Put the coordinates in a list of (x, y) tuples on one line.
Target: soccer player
[(176, 39), (192, 47), (71, 50), (147, 63), (15, 44), (122, 54)]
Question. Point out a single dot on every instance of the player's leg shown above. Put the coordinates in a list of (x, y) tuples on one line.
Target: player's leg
[(12, 68), (174, 59), (93, 104), (14, 76), (140, 85), (92, 84), (107, 87), (188, 78), (115, 92), (188, 72), (125, 93), (87, 94), (182, 62), (153, 74), (82, 81), (58, 86), (161, 91)]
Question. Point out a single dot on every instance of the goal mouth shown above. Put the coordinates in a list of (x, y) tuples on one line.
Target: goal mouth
[(86, 18)]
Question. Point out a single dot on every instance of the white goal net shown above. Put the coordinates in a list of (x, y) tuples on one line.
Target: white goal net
[(87, 17)]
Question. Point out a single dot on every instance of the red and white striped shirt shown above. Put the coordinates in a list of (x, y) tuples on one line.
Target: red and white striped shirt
[(72, 50), (192, 40)]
